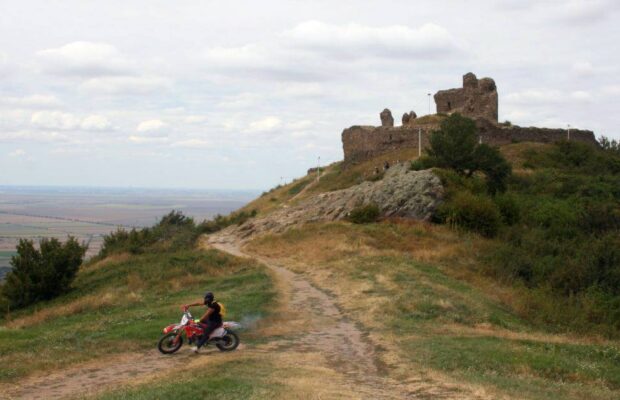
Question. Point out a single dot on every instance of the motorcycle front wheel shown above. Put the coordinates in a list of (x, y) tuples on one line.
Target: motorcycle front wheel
[(167, 343), (228, 342)]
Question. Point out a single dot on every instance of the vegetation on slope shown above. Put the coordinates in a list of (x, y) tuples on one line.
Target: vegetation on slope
[(415, 289), (121, 301)]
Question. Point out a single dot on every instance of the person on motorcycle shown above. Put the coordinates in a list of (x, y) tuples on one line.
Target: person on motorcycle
[(212, 318)]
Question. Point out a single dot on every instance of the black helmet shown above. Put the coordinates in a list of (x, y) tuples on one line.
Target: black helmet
[(209, 297)]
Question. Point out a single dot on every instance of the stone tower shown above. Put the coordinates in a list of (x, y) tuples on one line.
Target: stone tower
[(476, 99)]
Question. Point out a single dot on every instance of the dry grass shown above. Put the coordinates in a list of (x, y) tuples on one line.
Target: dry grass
[(83, 304)]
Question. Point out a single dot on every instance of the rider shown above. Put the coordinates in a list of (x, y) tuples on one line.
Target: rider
[(212, 318)]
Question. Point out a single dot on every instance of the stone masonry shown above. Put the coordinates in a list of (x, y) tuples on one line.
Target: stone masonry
[(476, 99)]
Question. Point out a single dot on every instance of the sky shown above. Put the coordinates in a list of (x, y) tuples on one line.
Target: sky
[(249, 94)]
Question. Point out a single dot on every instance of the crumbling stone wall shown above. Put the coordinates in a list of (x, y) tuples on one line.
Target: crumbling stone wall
[(476, 99), (361, 143)]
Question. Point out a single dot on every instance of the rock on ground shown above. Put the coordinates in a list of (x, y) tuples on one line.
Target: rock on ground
[(401, 193)]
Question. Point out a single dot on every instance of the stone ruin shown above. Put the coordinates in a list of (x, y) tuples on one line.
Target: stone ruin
[(477, 99)]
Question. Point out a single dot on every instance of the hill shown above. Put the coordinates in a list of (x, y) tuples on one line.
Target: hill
[(393, 309)]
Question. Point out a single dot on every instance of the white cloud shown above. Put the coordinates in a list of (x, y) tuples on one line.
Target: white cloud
[(195, 119), (147, 139), (32, 101), (126, 84), (152, 125), (359, 41), (583, 68), (193, 144), (84, 59), (18, 153), (267, 124), (95, 123), (55, 120), (581, 96), (537, 96), (300, 125), (33, 136)]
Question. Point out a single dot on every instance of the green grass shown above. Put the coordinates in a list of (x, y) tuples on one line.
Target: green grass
[(139, 296), (237, 379), (434, 319)]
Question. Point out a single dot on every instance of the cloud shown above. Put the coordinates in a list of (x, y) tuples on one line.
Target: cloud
[(18, 153), (193, 144), (581, 96), (33, 136), (126, 84), (85, 59), (583, 68), (55, 120), (95, 123), (152, 125), (32, 101), (147, 139), (317, 51), (267, 124), (360, 41)]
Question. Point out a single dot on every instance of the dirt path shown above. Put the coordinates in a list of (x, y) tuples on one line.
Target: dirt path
[(344, 344), (319, 327)]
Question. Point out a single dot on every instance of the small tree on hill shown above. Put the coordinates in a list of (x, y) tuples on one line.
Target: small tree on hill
[(454, 146), (44, 273)]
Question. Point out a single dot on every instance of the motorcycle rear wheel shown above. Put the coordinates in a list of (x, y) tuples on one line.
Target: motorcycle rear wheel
[(166, 343), (228, 342)]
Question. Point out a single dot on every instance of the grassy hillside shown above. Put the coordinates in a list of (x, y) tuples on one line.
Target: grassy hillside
[(121, 304), (411, 286)]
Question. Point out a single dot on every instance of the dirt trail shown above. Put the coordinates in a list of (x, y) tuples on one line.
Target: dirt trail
[(328, 332), (345, 345), (93, 376)]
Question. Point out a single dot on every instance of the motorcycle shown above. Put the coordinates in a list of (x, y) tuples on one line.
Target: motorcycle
[(223, 337)]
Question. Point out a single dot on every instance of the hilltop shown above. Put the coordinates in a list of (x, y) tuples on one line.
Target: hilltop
[(416, 302)]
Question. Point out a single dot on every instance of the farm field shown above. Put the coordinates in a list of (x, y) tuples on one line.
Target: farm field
[(90, 213)]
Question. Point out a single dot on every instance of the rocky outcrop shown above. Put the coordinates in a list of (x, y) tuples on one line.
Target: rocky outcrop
[(401, 193), (386, 118), (476, 99)]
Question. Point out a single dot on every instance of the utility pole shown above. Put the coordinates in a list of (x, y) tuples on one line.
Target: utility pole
[(568, 133), (419, 142), (318, 169)]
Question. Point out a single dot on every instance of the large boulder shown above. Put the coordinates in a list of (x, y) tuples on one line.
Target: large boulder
[(401, 193)]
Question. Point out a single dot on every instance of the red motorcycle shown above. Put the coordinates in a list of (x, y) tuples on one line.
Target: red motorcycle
[(172, 340)]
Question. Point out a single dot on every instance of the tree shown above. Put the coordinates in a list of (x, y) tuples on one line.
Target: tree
[(454, 146), (44, 273)]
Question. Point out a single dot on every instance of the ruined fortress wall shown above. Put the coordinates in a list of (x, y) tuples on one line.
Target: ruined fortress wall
[(361, 143), (498, 135)]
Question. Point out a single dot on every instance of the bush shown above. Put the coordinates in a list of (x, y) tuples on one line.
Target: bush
[(421, 163), (508, 208), (468, 211), (44, 273), (364, 214)]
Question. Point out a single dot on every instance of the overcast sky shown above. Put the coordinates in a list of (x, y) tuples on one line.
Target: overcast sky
[(238, 94)]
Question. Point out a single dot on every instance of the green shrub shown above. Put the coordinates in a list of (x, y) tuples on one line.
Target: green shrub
[(508, 208), (364, 214), (44, 273), (421, 163), (468, 211)]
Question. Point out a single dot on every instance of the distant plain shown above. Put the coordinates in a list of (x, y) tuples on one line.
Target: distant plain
[(90, 213)]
